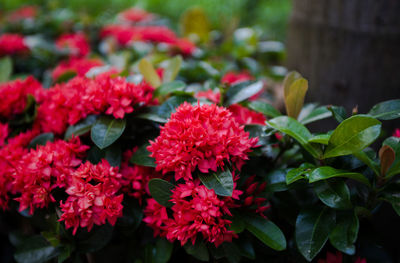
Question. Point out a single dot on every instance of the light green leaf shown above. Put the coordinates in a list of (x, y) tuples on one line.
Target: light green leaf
[(242, 91), (172, 68), (149, 73), (264, 108), (326, 172), (319, 113), (6, 67), (320, 138), (170, 88)]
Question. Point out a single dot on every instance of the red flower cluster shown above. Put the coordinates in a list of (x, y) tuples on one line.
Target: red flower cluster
[(14, 95), (80, 66), (252, 190), (76, 43), (25, 12), (92, 197), (245, 116), (200, 136), (11, 44), (338, 258), (233, 78), (214, 97), (67, 103), (135, 15), (196, 210), (124, 34), (3, 133), (45, 168)]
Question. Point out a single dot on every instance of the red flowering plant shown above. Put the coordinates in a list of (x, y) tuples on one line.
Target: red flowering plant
[(141, 145)]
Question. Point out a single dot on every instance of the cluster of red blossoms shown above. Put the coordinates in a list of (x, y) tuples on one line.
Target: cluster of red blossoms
[(66, 104), (76, 43), (135, 15), (78, 66), (338, 258), (11, 44)]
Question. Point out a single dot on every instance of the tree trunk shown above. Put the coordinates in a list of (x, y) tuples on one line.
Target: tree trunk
[(349, 50)]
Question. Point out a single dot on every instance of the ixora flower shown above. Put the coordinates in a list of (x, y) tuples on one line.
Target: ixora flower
[(203, 137), (11, 44), (233, 78), (75, 42), (338, 258), (14, 95), (245, 116), (196, 210), (70, 102), (79, 66), (396, 133), (25, 12), (93, 198), (135, 15)]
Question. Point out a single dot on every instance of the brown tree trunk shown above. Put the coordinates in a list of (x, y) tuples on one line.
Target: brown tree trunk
[(349, 50)]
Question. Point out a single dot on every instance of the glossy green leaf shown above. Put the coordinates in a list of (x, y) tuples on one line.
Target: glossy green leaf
[(298, 131), (163, 251), (266, 231), (333, 194), (264, 108), (170, 88), (242, 91), (41, 139), (312, 230), (160, 190), (198, 250), (345, 232), (169, 106), (326, 172), (320, 138), (317, 114), (149, 73), (276, 181), (171, 68), (353, 135), (6, 67), (142, 157), (35, 249), (81, 127), (299, 173), (394, 143), (94, 240), (339, 113), (387, 110), (363, 157), (113, 154), (220, 182), (107, 130)]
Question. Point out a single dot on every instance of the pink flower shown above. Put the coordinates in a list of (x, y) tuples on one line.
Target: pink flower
[(232, 78), (245, 116), (135, 15), (80, 66), (26, 12), (201, 137), (75, 42), (11, 44), (396, 133), (210, 95)]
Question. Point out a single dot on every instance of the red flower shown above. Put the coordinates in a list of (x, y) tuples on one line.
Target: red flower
[(200, 136), (135, 15), (196, 210), (3, 133), (210, 95), (396, 133), (14, 95), (92, 196), (251, 191), (11, 44), (232, 78), (338, 258), (245, 116), (80, 66), (25, 12), (76, 43), (184, 46)]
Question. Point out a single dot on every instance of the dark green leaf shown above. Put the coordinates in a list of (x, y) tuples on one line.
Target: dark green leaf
[(242, 91), (170, 105), (41, 139), (362, 156), (220, 182), (276, 181), (333, 194), (142, 157), (113, 154), (107, 130), (198, 251), (352, 135), (163, 251), (266, 231), (170, 88), (298, 173), (312, 230), (387, 110), (95, 240), (264, 108), (326, 172), (319, 113), (232, 252), (345, 232), (35, 249), (339, 113), (65, 253), (81, 127), (296, 130), (6, 67), (160, 190), (238, 224), (246, 248)]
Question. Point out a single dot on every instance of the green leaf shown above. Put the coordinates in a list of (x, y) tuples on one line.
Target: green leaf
[(317, 114), (170, 88), (41, 139), (198, 251), (107, 130), (264, 108), (238, 224), (345, 232), (276, 181), (149, 73), (160, 190), (169, 106), (6, 67), (232, 252), (387, 110), (81, 127), (333, 194), (69, 74), (266, 231), (363, 157), (172, 68), (242, 91), (94, 240), (220, 182), (246, 247), (294, 99), (353, 135), (339, 113), (194, 22), (35, 249), (298, 173), (113, 154), (163, 251), (142, 157), (396, 208), (326, 172), (312, 230), (298, 131), (394, 143), (290, 78), (320, 138)]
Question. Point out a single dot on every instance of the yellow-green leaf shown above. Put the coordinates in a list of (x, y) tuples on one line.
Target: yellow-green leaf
[(294, 99), (194, 24), (149, 73)]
